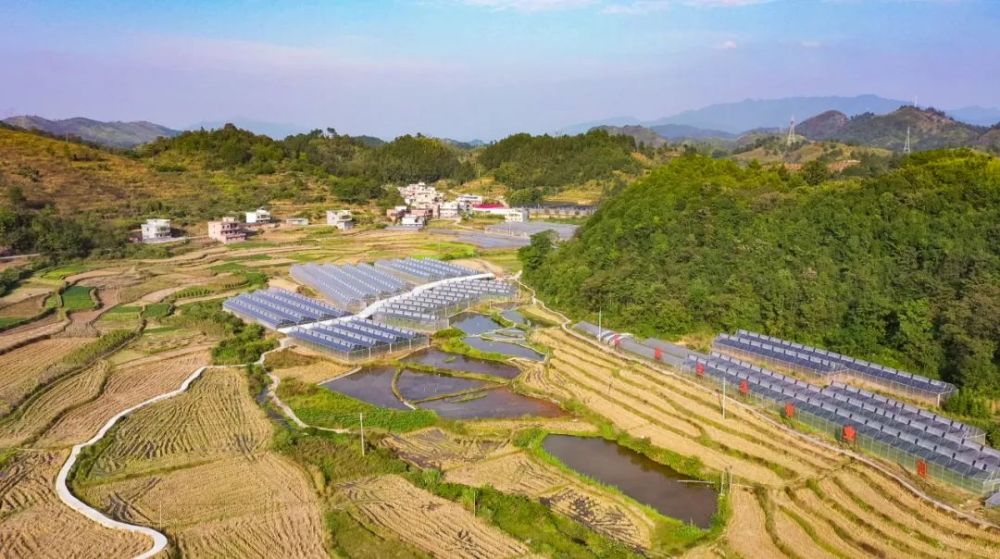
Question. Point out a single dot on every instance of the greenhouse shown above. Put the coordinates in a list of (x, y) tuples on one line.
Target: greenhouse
[(423, 270), (355, 339), (277, 308), (349, 286), (432, 308)]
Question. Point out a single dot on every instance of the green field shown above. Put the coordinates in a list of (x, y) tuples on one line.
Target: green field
[(77, 298)]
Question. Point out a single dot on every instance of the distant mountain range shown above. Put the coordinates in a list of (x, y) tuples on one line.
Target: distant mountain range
[(111, 134), (730, 120), (928, 128)]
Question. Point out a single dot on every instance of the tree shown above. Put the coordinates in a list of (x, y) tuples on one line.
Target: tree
[(815, 172), (533, 256)]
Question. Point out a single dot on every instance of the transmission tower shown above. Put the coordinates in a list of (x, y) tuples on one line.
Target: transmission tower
[(791, 133), (906, 146)]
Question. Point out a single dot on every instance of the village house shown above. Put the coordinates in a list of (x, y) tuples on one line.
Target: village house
[(341, 219), (227, 230), (155, 230)]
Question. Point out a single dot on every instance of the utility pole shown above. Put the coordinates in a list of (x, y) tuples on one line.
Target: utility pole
[(906, 146), (361, 416), (600, 331), (723, 397), (791, 133)]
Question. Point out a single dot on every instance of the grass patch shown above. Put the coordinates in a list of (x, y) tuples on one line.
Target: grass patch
[(286, 359), (451, 251), (100, 347), (241, 342), (324, 408), (157, 310), (78, 298), (61, 272)]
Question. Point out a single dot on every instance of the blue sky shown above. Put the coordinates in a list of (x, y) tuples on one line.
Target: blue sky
[(481, 68)]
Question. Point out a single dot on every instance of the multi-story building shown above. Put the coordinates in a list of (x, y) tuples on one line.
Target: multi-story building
[(259, 217), (155, 230), (466, 201), (419, 193), (341, 219), (226, 231)]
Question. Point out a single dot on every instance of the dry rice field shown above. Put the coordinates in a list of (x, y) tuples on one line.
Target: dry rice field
[(22, 335), (198, 466), (126, 386), (483, 461), (440, 527), (25, 368), (812, 502), (34, 523)]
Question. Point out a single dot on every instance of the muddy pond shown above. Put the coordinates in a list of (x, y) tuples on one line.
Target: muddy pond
[(474, 324), (646, 481), (372, 385), (454, 362), (496, 403), (504, 348), (416, 386)]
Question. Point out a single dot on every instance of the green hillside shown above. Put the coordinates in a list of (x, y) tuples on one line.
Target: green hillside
[(902, 267)]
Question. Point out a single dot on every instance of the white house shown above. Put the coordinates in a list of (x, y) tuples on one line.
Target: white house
[(297, 221), (413, 221), (465, 201), (420, 194), (155, 229), (341, 219), (449, 210), (259, 217), (227, 230), (516, 215)]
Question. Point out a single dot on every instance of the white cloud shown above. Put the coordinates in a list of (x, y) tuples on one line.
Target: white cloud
[(727, 45), (638, 7), (529, 5)]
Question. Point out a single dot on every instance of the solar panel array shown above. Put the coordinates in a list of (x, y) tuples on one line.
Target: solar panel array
[(953, 450), (278, 308), (650, 348), (357, 338), (822, 362), (349, 286), (432, 306), (423, 270), (944, 442)]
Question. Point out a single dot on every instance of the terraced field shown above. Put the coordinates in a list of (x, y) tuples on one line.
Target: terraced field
[(25, 368), (811, 502), (439, 527), (34, 523), (198, 467)]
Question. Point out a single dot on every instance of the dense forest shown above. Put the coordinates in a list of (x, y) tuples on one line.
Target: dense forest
[(902, 267), (533, 166)]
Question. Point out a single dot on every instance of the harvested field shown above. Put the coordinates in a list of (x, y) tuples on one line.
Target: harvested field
[(314, 373), (439, 527), (41, 328), (233, 507), (37, 414), (198, 466), (126, 387), (25, 368), (24, 308), (34, 523), (747, 531), (480, 461), (436, 449), (214, 418)]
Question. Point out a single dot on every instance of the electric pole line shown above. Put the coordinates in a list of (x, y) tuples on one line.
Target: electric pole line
[(906, 146), (791, 133), (361, 417)]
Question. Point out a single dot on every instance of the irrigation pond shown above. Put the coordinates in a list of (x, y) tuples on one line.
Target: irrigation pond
[(648, 482)]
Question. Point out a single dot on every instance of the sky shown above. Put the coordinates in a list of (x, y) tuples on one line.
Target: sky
[(483, 69)]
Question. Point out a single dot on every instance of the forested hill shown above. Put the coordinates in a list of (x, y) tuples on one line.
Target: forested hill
[(903, 268)]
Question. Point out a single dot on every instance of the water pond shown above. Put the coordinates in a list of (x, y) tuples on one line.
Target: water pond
[(416, 386), (474, 324), (515, 316), (646, 481), (493, 404), (372, 385), (454, 362), (505, 348)]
